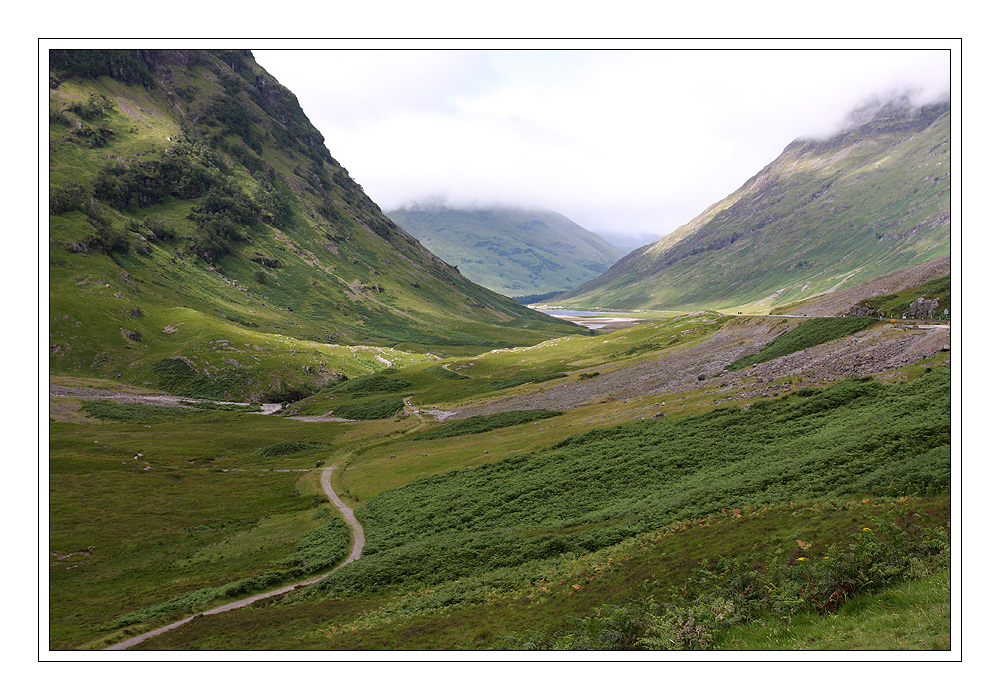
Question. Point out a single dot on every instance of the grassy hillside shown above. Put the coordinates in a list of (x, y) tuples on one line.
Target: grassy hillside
[(195, 214), (530, 518), (516, 252), (823, 215)]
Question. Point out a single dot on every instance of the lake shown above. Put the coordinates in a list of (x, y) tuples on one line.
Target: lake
[(591, 319)]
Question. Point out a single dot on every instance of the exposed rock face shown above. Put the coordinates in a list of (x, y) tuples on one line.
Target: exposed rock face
[(861, 310), (923, 308)]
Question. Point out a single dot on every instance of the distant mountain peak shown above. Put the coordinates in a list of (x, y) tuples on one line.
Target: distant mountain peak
[(516, 251)]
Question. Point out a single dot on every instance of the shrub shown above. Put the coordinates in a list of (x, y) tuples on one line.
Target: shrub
[(373, 410), (526, 379), (483, 424), (287, 447), (372, 384), (741, 592), (65, 199), (134, 412)]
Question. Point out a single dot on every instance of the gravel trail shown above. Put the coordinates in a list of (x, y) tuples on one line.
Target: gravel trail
[(358, 543)]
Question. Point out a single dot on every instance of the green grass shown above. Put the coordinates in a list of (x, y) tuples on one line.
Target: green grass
[(372, 384), (135, 412), (550, 596), (371, 410), (913, 615), (502, 384), (598, 488), (451, 529), (172, 507), (320, 549)]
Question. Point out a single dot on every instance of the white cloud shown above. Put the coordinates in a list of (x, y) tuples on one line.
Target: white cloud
[(619, 141)]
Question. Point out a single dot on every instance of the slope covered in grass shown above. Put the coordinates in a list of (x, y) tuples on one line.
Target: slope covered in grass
[(517, 252), (196, 216), (825, 214), (596, 489)]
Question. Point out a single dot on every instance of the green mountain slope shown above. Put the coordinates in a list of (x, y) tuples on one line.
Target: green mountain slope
[(201, 234), (517, 252), (874, 199)]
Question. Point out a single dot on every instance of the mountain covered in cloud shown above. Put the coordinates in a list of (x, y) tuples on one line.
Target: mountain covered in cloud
[(517, 252), (826, 214)]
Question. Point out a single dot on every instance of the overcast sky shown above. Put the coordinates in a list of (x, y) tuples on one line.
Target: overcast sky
[(620, 141)]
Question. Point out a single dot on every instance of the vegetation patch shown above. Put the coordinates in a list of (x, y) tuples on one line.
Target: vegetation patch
[(857, 437), (287, 447), (739, 593), (484, 424), (173, 374), (134, 412), (319, 550), (372, 410), (439, 372), (811, 333), (501, 384)]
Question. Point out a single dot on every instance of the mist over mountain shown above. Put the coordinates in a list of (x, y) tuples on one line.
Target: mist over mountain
[(626, 243), (827, 213), (513, 251)]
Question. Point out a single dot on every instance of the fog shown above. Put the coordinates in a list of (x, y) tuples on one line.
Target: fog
[(622, 142)]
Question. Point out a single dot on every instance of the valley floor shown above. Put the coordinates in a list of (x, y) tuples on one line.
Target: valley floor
[(689, 360)]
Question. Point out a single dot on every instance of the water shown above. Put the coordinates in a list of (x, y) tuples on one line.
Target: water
[(571, 312), (589, 319)]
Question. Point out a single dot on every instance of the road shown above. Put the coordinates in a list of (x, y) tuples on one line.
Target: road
[(357, 544)]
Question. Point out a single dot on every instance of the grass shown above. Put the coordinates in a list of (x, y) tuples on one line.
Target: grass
[(477, 613), (478, 531), (171, 507), (850, 438), (913, 615)]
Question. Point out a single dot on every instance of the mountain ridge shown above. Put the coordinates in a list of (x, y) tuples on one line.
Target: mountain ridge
[(868, 201)]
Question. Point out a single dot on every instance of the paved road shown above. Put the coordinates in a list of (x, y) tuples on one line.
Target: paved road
[(358, 543)]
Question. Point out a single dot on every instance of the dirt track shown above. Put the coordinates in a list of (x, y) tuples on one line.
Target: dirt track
[(358, 543)]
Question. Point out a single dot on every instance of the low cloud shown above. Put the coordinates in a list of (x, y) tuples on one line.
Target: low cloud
[(618, 141)]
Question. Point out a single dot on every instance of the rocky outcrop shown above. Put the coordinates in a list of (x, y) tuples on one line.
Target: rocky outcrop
[(923, 308)]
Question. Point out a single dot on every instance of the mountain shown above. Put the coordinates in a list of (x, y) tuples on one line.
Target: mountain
[(516, 252), (202, 238), (826, 214)]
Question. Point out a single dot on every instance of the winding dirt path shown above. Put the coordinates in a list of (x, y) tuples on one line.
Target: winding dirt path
[(358, 544)]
